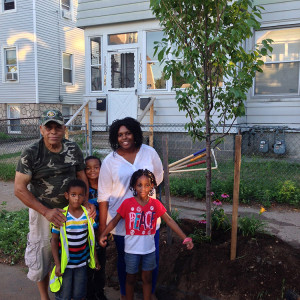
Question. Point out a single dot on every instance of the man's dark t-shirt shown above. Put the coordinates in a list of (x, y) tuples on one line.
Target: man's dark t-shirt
[(51, 172)]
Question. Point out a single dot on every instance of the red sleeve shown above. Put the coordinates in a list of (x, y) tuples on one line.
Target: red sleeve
[(122, 209), (160, 209)]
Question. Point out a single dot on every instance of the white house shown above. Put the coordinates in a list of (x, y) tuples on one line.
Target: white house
[(41, 58), (121, 69)]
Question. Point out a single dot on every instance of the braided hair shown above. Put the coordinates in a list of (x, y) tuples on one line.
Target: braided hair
[(139, 173)]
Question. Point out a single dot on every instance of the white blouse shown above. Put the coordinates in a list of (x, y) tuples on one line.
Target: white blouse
[(115, 175)]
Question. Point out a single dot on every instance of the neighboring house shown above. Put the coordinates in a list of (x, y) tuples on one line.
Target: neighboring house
[(41, 58), (121, 68)]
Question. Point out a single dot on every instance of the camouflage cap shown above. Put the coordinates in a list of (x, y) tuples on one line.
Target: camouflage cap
[(52, 115)]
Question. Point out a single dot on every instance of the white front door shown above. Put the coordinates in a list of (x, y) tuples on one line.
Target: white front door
[(122, 84)]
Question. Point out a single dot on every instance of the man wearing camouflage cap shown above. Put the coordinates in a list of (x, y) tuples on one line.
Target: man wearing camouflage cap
[(46, 166)]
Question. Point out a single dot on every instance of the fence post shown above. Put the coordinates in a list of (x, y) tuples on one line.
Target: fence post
[(167, 184), (90, 133), (236, 189), (87, 117)]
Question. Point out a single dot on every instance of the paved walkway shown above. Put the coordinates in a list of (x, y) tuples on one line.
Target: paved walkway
[(282, 222)]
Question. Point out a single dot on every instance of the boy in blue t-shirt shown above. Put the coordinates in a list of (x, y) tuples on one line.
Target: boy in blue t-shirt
[(96, 278), (73, 247)]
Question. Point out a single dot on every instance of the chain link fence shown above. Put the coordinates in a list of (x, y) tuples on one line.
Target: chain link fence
[(270, 167)]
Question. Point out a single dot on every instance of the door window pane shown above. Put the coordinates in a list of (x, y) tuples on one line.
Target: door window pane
[(122, 70), (123, 38)]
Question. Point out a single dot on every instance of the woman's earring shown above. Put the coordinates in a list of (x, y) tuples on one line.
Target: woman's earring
[(134, 193), (151, 192)]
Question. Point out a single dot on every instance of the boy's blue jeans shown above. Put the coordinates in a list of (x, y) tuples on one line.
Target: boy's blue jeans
[(73, 285)]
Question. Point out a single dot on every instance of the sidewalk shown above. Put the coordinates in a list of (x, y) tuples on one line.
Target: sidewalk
[(282, 222)]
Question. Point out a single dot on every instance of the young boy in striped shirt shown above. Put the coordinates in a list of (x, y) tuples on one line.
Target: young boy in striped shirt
[(73, 247)]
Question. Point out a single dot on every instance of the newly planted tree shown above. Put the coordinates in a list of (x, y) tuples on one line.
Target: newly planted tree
[(204, 49)]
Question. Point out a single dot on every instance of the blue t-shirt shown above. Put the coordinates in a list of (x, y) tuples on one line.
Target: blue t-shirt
[(93, 196)]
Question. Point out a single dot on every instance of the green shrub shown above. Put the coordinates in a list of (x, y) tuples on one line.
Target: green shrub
[(219, 220), (199, 236), (287, 192), (251, 226), (13, 233)]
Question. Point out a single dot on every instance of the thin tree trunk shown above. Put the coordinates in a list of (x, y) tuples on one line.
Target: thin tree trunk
[(208, 176)]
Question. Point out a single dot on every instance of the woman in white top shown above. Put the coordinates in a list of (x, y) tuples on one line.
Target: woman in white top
[(129, 154)]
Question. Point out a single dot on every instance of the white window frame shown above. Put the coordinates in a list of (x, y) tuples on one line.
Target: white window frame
[(9, 10), (72, 68), (4, 70), (66, 13), (279, 95), (90, 65), (9, 117)]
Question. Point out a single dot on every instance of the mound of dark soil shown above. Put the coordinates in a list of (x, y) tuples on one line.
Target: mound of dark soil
[(265, 267)]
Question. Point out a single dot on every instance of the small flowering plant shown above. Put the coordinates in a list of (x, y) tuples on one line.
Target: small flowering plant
[(219, 219), (251, 226)]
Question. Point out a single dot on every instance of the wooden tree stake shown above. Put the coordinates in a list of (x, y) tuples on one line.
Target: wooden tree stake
[(236, 190)]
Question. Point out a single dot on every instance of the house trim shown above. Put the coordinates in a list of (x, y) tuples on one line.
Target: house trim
[(36, 75)]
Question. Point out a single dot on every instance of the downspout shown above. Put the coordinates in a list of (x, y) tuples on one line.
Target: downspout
[(36, 77)]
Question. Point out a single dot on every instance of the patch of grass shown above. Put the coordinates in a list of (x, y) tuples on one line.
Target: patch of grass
[(7, 171), (9, 155), (4, 136), (13, 233)]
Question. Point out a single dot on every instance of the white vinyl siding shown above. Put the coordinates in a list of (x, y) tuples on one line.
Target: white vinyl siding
[(55, 36), (93, 13)]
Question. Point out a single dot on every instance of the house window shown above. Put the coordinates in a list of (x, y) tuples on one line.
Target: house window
[(66, 113), (66, 9), (13, 113), (8, 5), (10, 64), (123, 38), (96, 78), (281, 71), (67, 68), (155, 75)]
